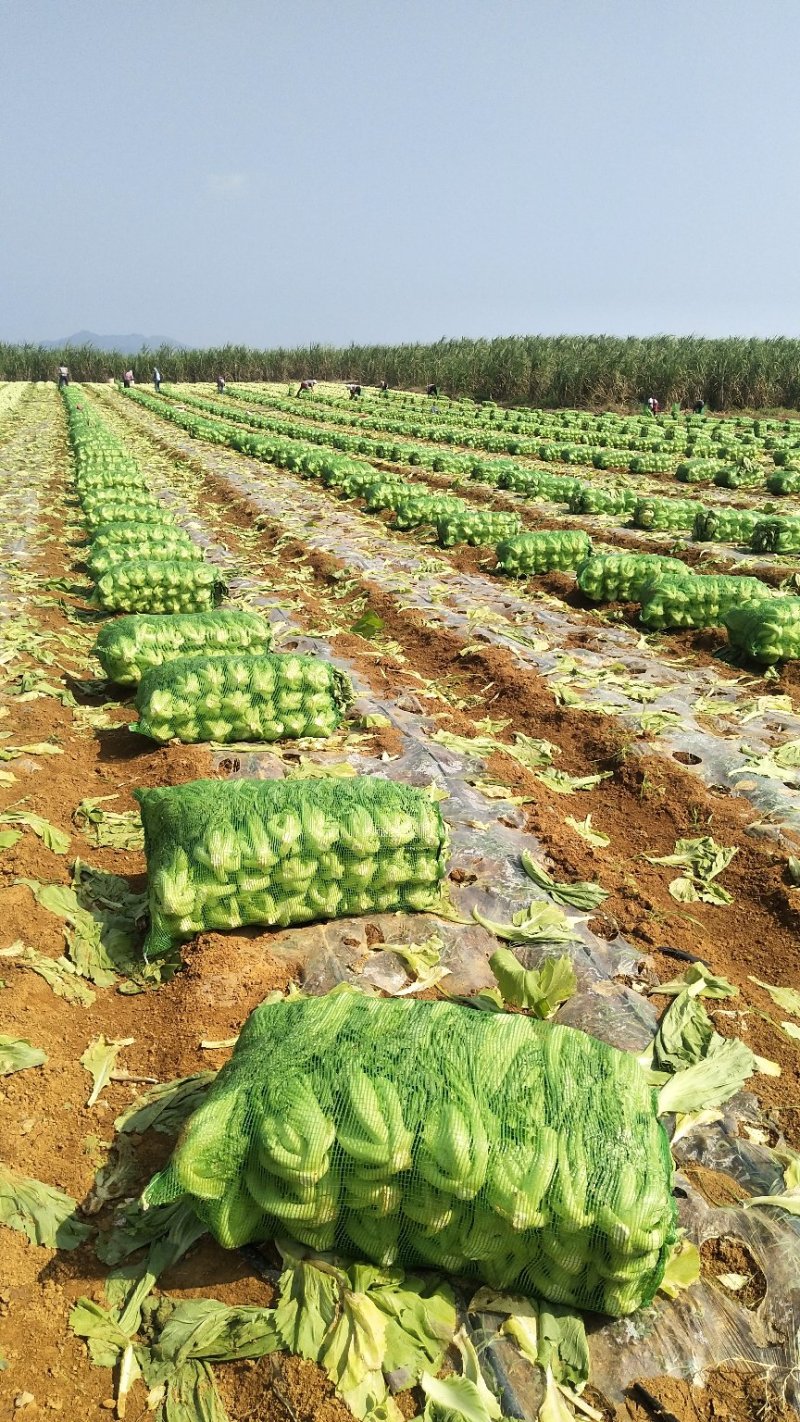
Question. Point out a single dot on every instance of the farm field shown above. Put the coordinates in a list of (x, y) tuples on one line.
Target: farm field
[(576, 638)]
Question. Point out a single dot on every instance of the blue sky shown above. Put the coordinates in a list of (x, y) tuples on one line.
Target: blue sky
[(274, 174)]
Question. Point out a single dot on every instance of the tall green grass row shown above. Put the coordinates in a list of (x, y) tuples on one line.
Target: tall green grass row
[(542, 371)]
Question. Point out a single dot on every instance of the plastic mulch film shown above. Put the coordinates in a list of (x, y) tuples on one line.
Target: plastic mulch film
[(127, 647), (521, 1153), (707, 1325), (535, 630), (241, 698), (221, 854)]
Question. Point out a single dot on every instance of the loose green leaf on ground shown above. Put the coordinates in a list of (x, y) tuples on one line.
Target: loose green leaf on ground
[(43, 1213), (99, 1059), (542, 990), (16, 1054), (580, 895)]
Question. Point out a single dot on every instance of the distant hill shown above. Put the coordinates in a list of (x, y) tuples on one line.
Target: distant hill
[(122, 345)]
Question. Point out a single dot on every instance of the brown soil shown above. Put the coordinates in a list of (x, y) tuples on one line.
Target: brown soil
[(729, 1256), (726, 1395), (717, 1187)]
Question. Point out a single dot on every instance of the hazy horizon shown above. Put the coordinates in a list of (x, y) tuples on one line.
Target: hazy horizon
[(269, 176)]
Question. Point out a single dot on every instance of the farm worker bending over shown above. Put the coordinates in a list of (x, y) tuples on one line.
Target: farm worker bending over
[(63, 377), (220, 384), (156, 379), (653, 405), (699, 406), (431, 390), (306, 385), (354, 391)]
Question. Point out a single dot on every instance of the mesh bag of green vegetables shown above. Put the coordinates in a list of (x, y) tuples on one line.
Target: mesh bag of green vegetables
[(725, 525), (697, 601), (766, 632), (128, 533), (122, 510), (530, 553), (241, 698), (665, 515), (101, 560), (476, 526), (159, 585), (126, 647), (776, 535), (221, 854), (519, 1152), (622, 577)]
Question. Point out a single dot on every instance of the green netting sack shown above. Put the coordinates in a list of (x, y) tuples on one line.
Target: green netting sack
[(698, 471), (225, 853), (622, 577), (784, 481), (126, 647), (159, 585), (241, 698), (776, 535), (665, 515), (518, 1152), (411, 510), (766, 632), (725, 525), (531, 553), (479, 527), (101, 560), (123, 510), (130, 532), (594, 500), (697, 601)]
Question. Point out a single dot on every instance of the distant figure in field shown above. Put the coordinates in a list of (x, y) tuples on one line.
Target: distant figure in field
[(353, 391), (306, 385), (156, 379), (653, 405), (698, 406), (432, 390), (127, 379), (384, 386), (220, 384), (63, 377)]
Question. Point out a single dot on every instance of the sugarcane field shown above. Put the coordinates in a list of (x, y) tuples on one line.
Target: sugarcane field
[(399, 732)]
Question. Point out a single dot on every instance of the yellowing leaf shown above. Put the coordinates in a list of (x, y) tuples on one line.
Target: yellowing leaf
[(784, 997), (585, 830), (683, 1269), (99, 1059), (16, 1054)]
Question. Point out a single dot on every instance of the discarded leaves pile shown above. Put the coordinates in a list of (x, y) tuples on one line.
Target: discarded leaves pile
[(519, 1152)]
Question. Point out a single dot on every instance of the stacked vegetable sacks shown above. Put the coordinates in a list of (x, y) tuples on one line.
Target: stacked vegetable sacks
[(767, 632), (476, 526), (699, 601), (516, 1151), (531, 553), (230, 698), (622, 577), (128, 646), (225, 853)]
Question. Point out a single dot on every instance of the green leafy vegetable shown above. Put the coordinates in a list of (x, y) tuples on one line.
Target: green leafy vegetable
[(704, 859), (165, 1107), (683, 1269), (99, 1059), (698, 981), (564, 784), (540, 989), (586, 831), (790, 1199), (537, 923), (216, 1332), (581, 895), (368, 625), (454, 1399), (58, 973), (16, 1054), (41, 1212), (788, 999), (54, 838)]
